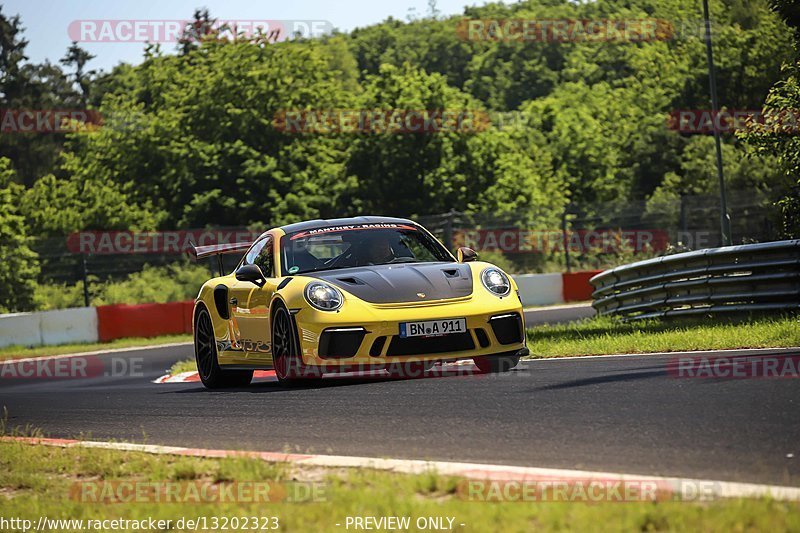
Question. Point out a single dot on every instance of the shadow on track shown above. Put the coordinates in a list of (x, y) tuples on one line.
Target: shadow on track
[(608, 378), (333, 381)]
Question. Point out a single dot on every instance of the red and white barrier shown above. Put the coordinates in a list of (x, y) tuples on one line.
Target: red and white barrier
[(109, 322), (551, 289), (540, 289), (577, 287), (69, 326), (22, 329), (144, 320), (95, 324), (65, 326)]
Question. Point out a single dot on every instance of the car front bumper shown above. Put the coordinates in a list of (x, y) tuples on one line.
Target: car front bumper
[(369, 335)]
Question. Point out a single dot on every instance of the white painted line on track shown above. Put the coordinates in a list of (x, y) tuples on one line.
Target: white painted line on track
[(744, 352), (557, 307), (683, 488), (99, 352)]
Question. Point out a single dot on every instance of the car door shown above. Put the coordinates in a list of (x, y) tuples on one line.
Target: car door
[(239, 296), (252, 305)]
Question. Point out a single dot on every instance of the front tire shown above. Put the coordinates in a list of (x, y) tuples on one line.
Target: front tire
[(205, 353), (494, 364), (289, 366)]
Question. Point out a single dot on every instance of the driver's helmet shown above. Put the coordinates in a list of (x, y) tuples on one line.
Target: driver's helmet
[(376, 249)]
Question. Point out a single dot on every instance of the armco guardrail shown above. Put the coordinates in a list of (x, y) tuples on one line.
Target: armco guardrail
[(734, 279)]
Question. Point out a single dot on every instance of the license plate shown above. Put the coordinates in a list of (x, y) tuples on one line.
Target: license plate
[(431, 328)]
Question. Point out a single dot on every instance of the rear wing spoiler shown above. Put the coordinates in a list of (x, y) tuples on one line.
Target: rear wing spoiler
[(201, 252)]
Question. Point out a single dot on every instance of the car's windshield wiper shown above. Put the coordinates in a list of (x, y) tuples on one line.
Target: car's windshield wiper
[(325, 269), (402, 260), (395, 261)]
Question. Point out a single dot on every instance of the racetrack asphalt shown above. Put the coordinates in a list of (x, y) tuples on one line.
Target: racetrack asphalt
[(617, 414)]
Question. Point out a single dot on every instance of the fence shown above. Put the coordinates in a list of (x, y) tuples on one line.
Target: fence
[(734, 279), (581, 238), (601, 236), (104, 257)]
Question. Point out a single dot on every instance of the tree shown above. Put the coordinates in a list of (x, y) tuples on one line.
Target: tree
[(202, 27), (193, 139), (77, 57), (193, 135), (20, 267), (470, 169), (25, 86), (789, 10), (12, 56), (778, 135)]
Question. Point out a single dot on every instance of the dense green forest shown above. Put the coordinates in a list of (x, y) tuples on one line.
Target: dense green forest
[(189, 137)]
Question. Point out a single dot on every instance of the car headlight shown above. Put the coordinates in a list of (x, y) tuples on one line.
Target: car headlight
[(496, 281), (323, 296)]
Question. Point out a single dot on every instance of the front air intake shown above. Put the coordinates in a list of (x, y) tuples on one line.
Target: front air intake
[(507, 328), (339, 343)]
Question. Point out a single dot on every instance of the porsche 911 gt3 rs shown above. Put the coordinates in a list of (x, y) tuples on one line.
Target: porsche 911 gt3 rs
[(350, 294)]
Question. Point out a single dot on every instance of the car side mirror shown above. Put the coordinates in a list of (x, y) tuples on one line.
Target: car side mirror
[(252, 274), (466, 255)]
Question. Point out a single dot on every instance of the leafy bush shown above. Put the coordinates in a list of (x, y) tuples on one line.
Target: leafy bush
[(499, 259), (171, 283), (157, 285), (58, 296), (20, 265)]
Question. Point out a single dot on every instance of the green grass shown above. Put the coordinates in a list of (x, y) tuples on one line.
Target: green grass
[(187, 365), (17, 352), (36, 480), (603, 335)]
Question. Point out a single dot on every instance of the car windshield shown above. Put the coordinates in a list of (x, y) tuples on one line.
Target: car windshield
[(358, 245)]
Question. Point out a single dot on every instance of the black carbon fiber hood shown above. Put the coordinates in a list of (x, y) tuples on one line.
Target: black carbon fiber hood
[(402, 283)]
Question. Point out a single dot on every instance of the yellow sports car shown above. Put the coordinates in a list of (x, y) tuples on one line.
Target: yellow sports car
[(363, 293)]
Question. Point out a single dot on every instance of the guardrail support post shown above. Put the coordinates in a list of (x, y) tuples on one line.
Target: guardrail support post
[(85, 271), (725, 221), (566, 241), (448, 230)]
